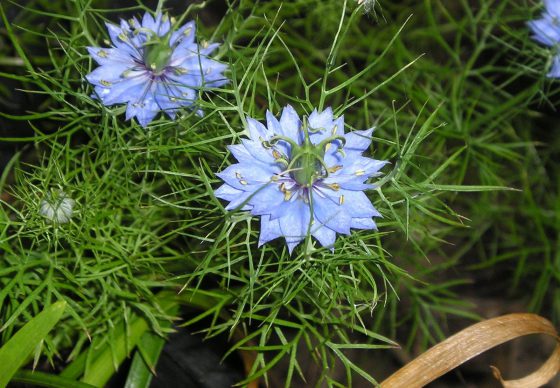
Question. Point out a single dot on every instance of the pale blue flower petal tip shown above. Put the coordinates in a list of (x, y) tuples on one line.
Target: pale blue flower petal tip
[(153, 67), (546, 30), (302, 177)]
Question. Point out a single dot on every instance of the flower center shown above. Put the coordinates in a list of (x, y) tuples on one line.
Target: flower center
[(157, 53), (307, 164)]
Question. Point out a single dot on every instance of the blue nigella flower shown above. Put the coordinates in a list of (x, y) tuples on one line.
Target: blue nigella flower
[(547, 31), (302, 177), (152, 67)]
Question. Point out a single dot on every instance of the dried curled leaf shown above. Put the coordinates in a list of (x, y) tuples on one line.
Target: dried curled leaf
[(473, 341)]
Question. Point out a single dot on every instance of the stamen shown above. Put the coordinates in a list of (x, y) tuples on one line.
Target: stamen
[(327, 147), (341, 200), (123, 37), (276, 154), (334, 186), (105, 83), (274, 178), (103, 53), (287, 195), (180, 70), (359, 172), (334, 169), (243, 182), (187, 31)]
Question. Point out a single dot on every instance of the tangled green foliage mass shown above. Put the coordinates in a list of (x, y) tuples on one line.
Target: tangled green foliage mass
[(462, 111)]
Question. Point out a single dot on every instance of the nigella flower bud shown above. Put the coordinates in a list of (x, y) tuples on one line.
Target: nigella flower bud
[(369, 5), (57, 207)]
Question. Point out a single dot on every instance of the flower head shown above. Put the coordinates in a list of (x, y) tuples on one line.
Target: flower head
[(547, 31), (57, 207), (302, 177), (152, 67)]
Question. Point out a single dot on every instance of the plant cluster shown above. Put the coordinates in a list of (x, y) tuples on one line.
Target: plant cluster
[(312, 178)]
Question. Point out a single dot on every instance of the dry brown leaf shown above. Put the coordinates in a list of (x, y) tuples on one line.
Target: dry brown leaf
[(472, 341)]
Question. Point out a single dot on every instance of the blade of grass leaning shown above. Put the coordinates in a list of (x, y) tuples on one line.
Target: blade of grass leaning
[(18, 349), (111, 355), (40, 379), (146, 357)]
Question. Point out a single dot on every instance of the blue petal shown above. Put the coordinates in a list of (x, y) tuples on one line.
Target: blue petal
[(270, 229), (295, 223), (358, 140), (143, 109), (227, 192), (243, 176), (290, 123), (111, 73), (325, 236), (236, 197), (552, 7), (125, 91), (213, 77), (546, 31), (283, 208), (257, 131), (555, 69), (357, 204), (163, 24), (258, 151), (327, 128), (353, 175), (243, 155), (363, 223), (184, 36), (149, 22), (110, 56), (273, 124), (335, 217), (266, 199), (322, 121), (121, 40), (201, 71)]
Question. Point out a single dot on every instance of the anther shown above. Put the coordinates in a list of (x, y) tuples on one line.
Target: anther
[(287, 195), (334, 186), (334, 169), (123, 37)]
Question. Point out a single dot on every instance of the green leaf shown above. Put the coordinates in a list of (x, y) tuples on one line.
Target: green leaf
[(35, 378), (145, 359), (19, 348)]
